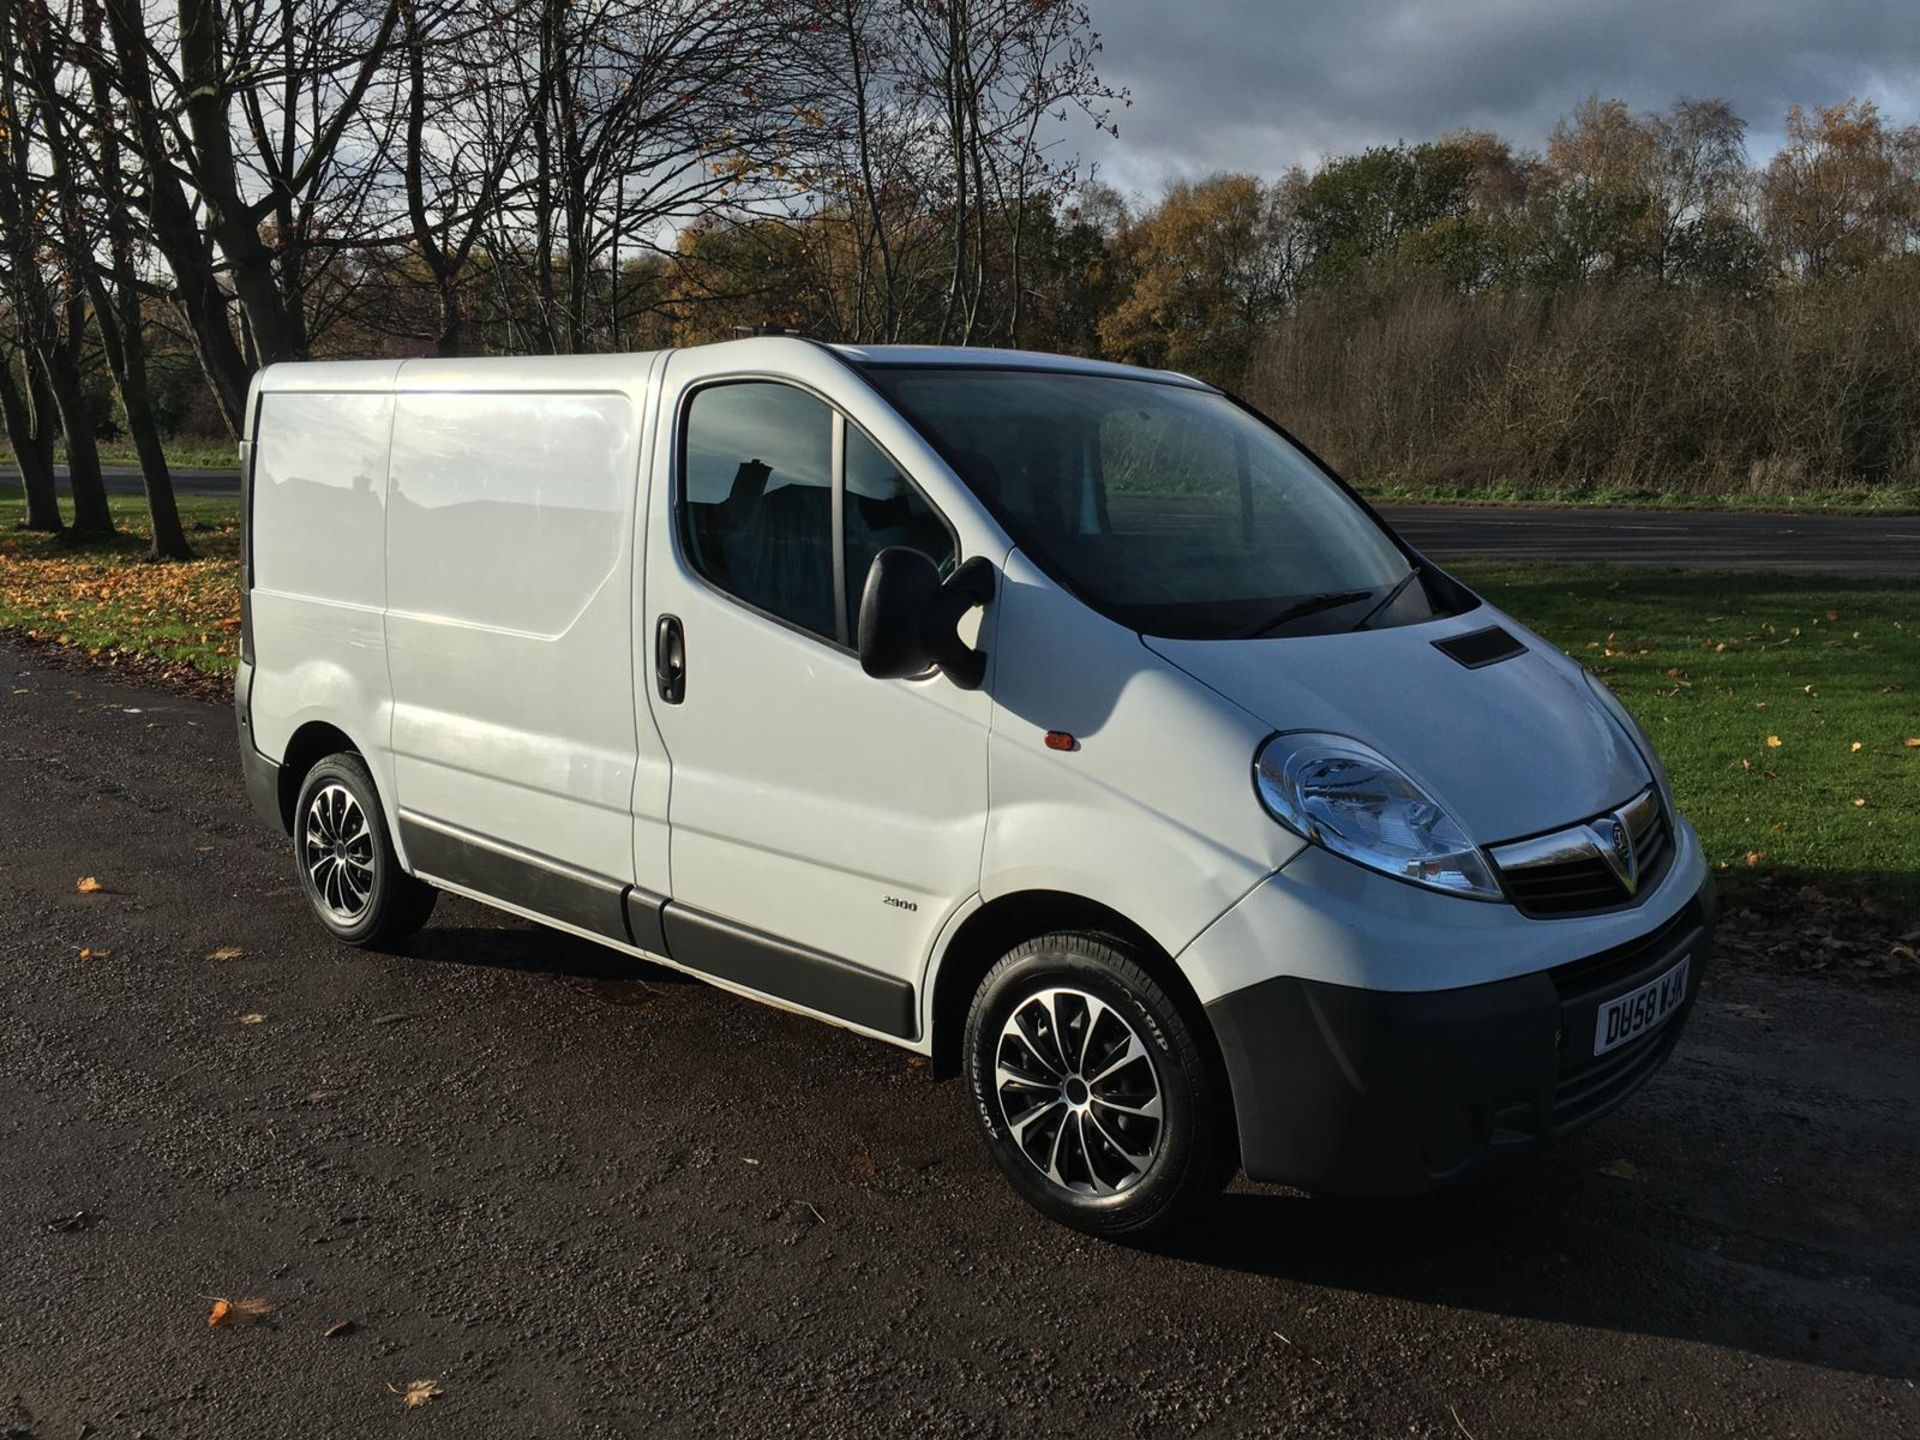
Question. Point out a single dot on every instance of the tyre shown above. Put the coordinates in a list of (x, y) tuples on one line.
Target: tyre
[(348, 868), (1099, 1098)]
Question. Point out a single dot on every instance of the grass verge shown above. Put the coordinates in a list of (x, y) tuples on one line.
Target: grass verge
[(1783, 706), (181, 455), (108, 602), (1786, 708), (1889, 500)]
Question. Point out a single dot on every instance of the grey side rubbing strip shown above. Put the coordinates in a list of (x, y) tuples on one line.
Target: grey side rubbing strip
[(533, 882), (806, 977), (644, 927)]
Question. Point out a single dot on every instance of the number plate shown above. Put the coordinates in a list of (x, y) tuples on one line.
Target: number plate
[(1625, 1017)]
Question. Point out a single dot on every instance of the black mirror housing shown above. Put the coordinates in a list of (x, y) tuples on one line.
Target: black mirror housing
[(909, 619)]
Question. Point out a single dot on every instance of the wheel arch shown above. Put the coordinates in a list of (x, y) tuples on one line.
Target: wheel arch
[(307, 747), (1008, 920)]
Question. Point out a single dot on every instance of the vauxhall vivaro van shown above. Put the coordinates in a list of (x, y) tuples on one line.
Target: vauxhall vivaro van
[(1065, 722)]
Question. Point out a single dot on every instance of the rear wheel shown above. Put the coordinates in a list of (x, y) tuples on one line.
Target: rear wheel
[(348, 868), (1098, 1098)]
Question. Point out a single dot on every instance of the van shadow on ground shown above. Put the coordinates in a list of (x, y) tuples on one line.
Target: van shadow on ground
[(1556, 1238), (1723, 1235), (605, 973)]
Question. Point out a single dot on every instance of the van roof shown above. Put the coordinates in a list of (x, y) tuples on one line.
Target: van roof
[(988, 358), (625, 367)]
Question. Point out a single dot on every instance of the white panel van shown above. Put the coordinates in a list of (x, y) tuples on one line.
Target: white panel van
[(1064, 722)]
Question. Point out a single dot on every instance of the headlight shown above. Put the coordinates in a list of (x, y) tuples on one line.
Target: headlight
[(1636, 735), (1351, 799)]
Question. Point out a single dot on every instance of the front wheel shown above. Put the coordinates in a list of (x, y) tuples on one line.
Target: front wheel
[(348, 869), (1098, 1098)]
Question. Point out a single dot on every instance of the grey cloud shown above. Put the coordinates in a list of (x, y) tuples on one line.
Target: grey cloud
[(1227, 84)]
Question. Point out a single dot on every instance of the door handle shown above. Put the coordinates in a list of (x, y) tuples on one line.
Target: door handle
[(670, 660)]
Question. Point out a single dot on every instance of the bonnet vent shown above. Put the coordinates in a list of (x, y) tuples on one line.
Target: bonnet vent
[(1481, 647)]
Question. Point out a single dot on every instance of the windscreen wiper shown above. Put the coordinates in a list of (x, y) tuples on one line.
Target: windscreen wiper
[(1392, 595), (1309, 606)]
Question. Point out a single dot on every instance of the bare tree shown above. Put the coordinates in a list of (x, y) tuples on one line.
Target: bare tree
[(940, 138), (463, 134), (1699, 172), (89, 184), (136, 72), (49, 300), (648, 117)]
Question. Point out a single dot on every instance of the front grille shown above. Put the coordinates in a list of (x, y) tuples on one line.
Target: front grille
[(1590, 1085), (1608, 971), (1585, 1086), (1582, 884), (1589, 1091)]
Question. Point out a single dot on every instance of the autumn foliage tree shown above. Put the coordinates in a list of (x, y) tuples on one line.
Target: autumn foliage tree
[(1845, 191), (1206, 269)]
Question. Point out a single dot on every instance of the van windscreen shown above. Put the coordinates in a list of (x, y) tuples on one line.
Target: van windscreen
[(1167, 508)]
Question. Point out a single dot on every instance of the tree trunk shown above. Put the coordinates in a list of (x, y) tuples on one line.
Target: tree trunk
[(91, 514), (126, 357), (278, 333), (112, 287), (31, 436), (176, 233), (452, 339), (551, 19)]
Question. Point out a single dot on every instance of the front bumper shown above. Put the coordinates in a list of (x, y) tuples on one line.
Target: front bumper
[(1367, 1092)]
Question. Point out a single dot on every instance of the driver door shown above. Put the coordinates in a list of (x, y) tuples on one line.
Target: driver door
[(823, 825)]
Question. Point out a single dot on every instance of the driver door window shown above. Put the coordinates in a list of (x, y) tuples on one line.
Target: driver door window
[(758, 500), (762, 464)]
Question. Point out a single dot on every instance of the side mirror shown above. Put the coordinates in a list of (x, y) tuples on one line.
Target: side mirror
[(909, 620)]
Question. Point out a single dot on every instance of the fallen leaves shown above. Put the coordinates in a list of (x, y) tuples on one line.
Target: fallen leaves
[(89, 885), (338, 1329), (237, 1312), (97, 601), (253, 1019), (1773, 742), (226, 952), (1786, 923), (417, 1392)]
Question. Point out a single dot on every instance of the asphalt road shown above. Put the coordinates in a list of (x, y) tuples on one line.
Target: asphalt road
[(185, 482), (587, 1196), (1851, 545)]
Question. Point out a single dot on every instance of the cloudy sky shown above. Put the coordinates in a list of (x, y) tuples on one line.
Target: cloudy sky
[(1260, 84)]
